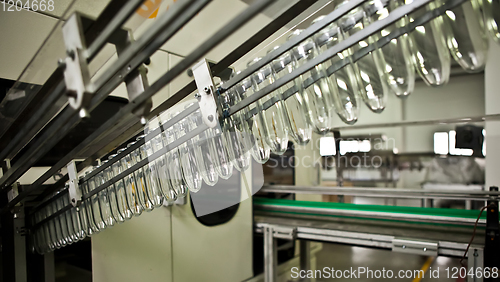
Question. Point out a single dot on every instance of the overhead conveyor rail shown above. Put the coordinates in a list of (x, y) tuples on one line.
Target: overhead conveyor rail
[(138, 51)]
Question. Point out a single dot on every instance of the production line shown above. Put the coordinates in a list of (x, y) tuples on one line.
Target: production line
[(179, 172)]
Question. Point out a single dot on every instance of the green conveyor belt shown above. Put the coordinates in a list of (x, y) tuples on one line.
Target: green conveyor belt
[(459, 213)]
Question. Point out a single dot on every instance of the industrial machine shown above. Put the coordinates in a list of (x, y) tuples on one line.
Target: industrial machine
[(163, 181)]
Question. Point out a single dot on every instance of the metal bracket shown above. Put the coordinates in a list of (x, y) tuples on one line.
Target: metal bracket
[(76, 72), (411, 246), (14, 192), (75, 194), (287, 233), (136, 80), (206, 95)]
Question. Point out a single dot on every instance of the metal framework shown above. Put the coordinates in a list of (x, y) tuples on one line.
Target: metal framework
[(133, 56)]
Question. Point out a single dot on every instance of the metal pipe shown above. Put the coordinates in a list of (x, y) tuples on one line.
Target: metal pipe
[(383, 192), (118, 20)]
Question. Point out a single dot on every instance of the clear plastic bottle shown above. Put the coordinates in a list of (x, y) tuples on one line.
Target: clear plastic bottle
[(48, 229), (135, 203), (173, 159), (274, 125), (162, 171), (44, 242), (466, 37), (398, 71), (88, 206), (104, 198), (234, 133), (428, 47), (66, 228), (79, 222), (153, 186), (255, 126), (368, 70), (491, 13), (296, 112), (111, 193), (54, 242), (203, 147), (223, 164), (121, 194), (141, 181), (318, 91), (189, 156), (93, 183), (347, 92), (59, 236)]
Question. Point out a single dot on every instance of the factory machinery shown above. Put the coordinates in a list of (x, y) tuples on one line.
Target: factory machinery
[(38, 218)]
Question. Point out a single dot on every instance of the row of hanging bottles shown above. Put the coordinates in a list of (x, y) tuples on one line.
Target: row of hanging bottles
[(256, 131)]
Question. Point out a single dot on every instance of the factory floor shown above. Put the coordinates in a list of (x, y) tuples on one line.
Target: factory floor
[(342, 257)]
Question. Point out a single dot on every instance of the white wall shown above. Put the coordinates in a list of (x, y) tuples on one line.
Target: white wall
[(463, 96)]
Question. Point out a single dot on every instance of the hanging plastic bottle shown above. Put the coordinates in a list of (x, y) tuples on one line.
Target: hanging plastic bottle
[(223, 164), (466, 37), (61, 240), (42, 243), (94, 182), (79, 223), (104, 198), (202, 146), (141, 180), (50, 228), (399, 71), (81, 213), (318, 91), (63, 220), (93, 228), (54, 243), (346, 100), (121, 193), (296, 112), (235, 133), (368, 70), (131, 189), (153, 185), (491, 13), (112, 194), (161, 170), (174, 160), (253, 122), (428, 47), (274, 125)]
